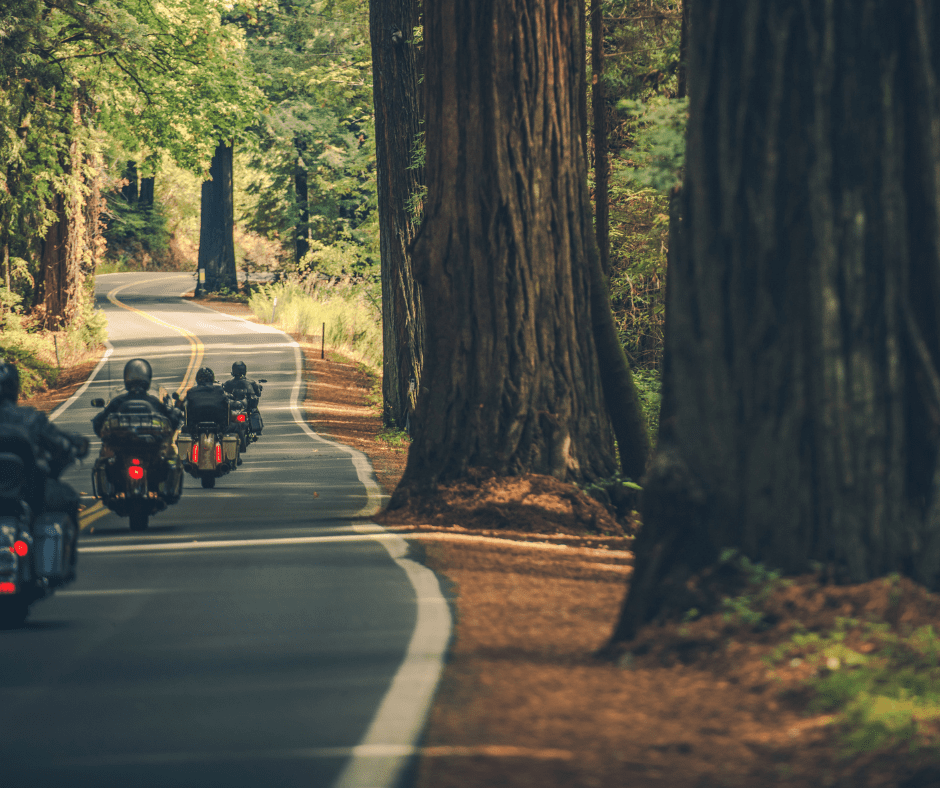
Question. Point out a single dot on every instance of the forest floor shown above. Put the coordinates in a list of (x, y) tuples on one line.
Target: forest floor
[(538, 572)]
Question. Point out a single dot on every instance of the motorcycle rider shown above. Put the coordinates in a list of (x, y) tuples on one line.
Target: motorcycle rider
[(241, 387), (206, 401), (137, 377), (53, 448)]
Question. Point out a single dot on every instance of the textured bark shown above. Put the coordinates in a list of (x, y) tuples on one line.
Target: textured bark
[(216, 225), (395, 69), (511, 372), (601, 158), (147, 186), (130, 189), (302, 231), (64, 247), (801, 390)]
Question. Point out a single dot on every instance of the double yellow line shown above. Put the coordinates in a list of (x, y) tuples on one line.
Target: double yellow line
[(197, 350)]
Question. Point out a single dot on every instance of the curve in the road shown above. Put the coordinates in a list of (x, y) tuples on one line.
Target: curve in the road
[(391, 739)]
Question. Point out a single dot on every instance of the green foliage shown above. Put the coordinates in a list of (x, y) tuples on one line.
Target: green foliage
[(885, 691), (39, 355), (314, 63), (353, 324), (747, 608), (395, 437), (658, 152)]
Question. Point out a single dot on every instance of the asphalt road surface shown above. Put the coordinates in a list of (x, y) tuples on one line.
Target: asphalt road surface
[(261, 633)]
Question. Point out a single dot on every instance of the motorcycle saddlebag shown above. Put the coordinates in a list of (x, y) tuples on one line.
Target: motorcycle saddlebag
[(256, 422), (50, 535), (101, 478), (230, 448), (184, 445)]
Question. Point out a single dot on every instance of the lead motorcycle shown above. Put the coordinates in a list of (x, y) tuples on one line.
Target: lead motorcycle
[(36, 548), (137, 475), (210, 449), (248, 421)]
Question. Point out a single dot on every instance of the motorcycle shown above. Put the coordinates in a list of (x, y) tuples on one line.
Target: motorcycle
[(208, 449), (135, 477), (36, 548), (249, 422)]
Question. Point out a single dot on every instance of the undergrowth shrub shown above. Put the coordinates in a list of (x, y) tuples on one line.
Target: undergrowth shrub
[(353, 324)]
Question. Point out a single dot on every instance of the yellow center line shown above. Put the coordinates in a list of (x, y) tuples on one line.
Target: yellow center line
[(198, 349)]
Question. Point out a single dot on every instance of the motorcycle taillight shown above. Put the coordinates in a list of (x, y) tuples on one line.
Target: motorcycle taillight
[(195, 453), (218, 452), (240, 417), (135, 472), (7, 588), (20, 548)]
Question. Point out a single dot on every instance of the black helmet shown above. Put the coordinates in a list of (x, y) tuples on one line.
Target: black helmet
[(137, 375), (239, 370), (205, 377), (9, 383)]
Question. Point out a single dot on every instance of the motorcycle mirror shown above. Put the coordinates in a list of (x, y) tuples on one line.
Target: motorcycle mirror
[(97, 402), (262, 380), (176, 397)]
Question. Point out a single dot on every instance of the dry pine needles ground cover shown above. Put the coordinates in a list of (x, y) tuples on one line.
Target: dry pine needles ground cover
[(538, 573)]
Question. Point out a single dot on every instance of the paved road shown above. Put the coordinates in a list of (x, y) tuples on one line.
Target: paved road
[(256, 634)]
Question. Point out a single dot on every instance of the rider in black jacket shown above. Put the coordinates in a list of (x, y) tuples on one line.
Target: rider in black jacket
[(54, 449), (137, 377), (206, 401), (241, 387)]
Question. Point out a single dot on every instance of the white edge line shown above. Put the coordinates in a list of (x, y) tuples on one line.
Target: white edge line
[(392, 737), (401, 717), (94, 373)]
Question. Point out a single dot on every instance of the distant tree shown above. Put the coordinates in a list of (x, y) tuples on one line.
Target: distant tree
[(216, 226), (395, 72), (506, 252), (801, 390)]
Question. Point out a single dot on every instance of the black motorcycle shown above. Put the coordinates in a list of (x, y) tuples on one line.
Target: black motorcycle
[(36, 548), (249, 422), (136, 474)]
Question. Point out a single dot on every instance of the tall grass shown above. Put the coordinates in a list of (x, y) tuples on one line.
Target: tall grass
[(353, 323), (41, 355)]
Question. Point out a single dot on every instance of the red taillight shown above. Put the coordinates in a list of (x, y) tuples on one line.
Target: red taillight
[(195, 453), (240, 417), (20, 548), (7, 588), (218, 452), (135, 472)]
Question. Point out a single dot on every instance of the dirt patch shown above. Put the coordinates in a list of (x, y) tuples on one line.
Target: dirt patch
[(530, 503), (539, 575), (70, 380)]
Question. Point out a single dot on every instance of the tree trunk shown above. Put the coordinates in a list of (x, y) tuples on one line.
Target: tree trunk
[(216, 226), (511, 372), (129, 189), (302, 231), (801, 393), (601, 162), (147, 186), (54, 270), (395, 72)]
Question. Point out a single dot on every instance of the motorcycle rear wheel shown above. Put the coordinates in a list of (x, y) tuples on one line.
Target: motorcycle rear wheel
[(139, 519), (13, 612), (208, 481)]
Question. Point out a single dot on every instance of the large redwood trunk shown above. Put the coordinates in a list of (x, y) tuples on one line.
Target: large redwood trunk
[(801, 394), (511, 380), (216, 225), (395, 70)]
